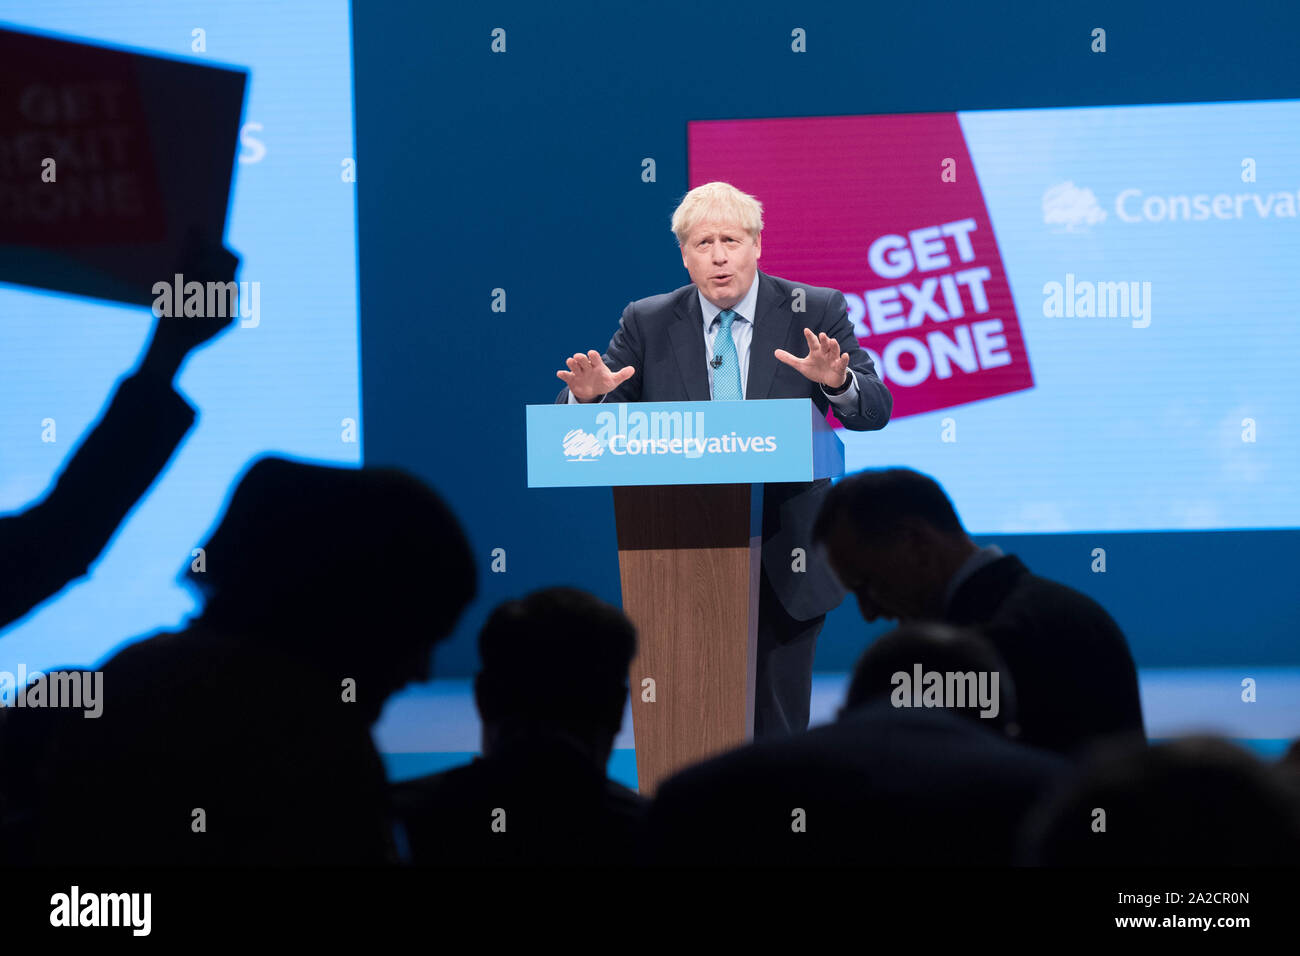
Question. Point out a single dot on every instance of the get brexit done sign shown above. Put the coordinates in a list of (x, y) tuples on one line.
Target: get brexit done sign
[(860, 204)]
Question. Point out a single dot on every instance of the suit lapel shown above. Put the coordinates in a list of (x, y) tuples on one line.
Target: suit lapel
[(687, 334), (771, 332)]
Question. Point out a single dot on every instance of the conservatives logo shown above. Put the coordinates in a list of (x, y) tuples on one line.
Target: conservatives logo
[(582, 446), (1073, 209), (657, 433), (1069, 206)]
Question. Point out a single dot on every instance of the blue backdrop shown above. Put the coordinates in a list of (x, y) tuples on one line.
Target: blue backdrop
[(283, 386), (522, 171)]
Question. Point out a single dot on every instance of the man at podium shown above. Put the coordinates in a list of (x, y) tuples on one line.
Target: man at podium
[(736, 333)]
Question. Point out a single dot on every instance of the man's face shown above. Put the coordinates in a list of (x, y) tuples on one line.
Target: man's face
[(886, 578), (722, 259)]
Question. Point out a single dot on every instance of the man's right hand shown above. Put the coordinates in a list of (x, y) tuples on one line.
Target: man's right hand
[(589, 377)]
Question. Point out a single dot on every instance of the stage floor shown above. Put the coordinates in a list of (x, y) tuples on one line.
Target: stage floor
[(434, 726)]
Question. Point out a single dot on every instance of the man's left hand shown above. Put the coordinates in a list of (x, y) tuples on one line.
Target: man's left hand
[(825, 363)]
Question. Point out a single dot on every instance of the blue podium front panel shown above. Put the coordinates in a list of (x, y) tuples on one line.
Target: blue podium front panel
[(680, 443)]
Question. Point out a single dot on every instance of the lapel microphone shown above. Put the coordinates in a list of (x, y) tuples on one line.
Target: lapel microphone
[(716, 361)]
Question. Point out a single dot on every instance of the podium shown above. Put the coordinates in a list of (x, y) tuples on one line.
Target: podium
[(687, 479)]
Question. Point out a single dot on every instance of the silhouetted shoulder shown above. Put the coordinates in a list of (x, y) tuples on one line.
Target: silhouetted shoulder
[(621, 799), (1063, 599), (527, 809), (883, 786)]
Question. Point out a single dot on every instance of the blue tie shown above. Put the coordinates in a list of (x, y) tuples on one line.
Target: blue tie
[(726, 376)]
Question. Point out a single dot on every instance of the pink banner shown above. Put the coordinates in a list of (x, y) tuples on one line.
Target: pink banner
[(886, 209)]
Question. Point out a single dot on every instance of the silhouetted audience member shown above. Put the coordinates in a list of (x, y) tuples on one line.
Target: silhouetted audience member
[(56, 541), (25, 734), (884, 785), (245, 738), (943, 649), (551, 694), (893, 539), (1198, 801)]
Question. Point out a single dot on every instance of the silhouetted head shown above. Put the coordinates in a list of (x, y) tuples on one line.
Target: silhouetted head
[(356, 571), (894, 540), (972, 679), (1199, 801), (557, 659)]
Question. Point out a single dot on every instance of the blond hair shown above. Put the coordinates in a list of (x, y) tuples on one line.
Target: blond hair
[(718, 201)]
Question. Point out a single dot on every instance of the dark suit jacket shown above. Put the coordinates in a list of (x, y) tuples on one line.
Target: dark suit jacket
[(254, 736), (559, 809), (882, 786), (1074, 676), (662, 337)]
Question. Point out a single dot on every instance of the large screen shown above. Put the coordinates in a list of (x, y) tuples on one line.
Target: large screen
[(284, 384), (1087, 316)]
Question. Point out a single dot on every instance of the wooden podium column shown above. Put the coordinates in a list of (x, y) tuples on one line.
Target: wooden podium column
[(689, 561)]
